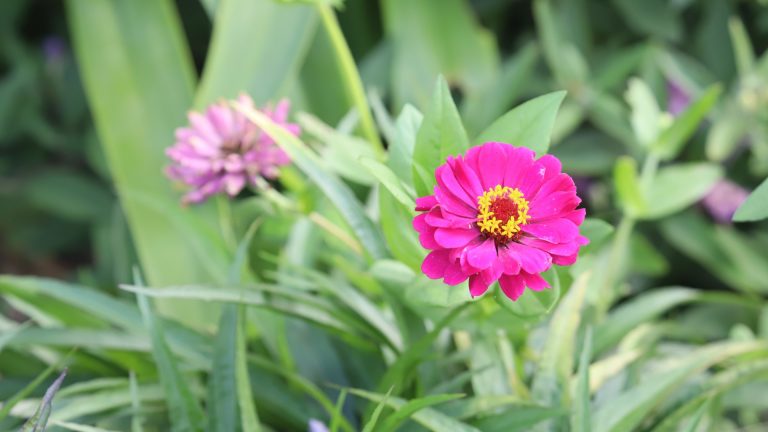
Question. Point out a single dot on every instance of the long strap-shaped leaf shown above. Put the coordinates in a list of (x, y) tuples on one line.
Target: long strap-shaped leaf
[(139, 80)]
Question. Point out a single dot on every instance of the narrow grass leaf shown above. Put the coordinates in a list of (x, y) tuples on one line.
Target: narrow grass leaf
[(581, 418), (336, 191), (184, 412), (672, 139), (29, 388)]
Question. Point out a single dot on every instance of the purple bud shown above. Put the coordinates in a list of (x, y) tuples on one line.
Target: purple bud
[(317, 426), (678, 98)]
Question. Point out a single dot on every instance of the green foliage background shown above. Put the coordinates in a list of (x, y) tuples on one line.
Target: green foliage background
[(245, 315)]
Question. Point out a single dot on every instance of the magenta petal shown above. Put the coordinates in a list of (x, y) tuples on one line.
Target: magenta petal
[(454, 275), (425, 203), (467, 177), (512, 286), (454, 237), (565, 260), (493, 159), (477, 285), (447, 182), (552, 206), (419, 223), (510, 261), (532, 260), (483, 255), (435, 264), (553, 230), (519, 160), (536, 282)]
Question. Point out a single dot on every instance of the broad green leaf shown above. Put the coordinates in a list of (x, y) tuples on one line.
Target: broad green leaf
[(639, 310), (257, 46), (728, 129), (336, 191), (422, 48), (149, 70), (480, 109), (678, 186), (555, 366), (397, 228), (755, 207), (626, 411), (184, 412), (562, 57), (533, 303), (429, 418), (646, 114), (628, 188), (389, 180), (582, 411), (441, 135), (407, 127), (528, 125), (671, 141), (69, 195), (597, 231)]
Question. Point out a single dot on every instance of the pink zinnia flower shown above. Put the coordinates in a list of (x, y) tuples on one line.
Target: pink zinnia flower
[(223, 151), (499, 214)]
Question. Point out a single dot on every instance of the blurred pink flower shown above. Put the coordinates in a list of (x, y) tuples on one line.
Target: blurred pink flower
[(222, 151), (722, 201), (499, 214), (678, 98)]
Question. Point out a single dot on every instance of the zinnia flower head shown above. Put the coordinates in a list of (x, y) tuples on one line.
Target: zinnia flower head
[(499, 214), (222, 151), (722, 201)]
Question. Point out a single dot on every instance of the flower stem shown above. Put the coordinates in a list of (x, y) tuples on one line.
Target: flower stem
[(350, 76)]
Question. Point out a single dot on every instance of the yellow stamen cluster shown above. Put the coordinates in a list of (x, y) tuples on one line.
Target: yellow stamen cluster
[(501, 211)]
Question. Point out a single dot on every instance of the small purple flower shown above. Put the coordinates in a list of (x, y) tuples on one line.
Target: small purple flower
[(317, 426), (222, 151), (54, 49), (722, 201), (678, 98)]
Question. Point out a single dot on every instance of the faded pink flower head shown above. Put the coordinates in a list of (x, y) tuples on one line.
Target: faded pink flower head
[(722, 201), (499, 214), (222, 151)]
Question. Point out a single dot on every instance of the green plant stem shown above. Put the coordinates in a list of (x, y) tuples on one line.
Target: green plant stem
[(352, 82)]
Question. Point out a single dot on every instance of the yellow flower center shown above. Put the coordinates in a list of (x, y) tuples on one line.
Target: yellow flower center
[(501, 212)]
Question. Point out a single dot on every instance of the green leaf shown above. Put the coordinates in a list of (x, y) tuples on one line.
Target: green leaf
[(342, 152), (533, 303), (414, 405), (422, 48), (336, 191), (678, 186), (242, 59), (407, 127), (519, 419), (640, 309), (742, 46), (79, 427), (552, 379), (222, 408), (672, 139), (652, 17), (184, 412), (597, 231), (626, 411), (429, 418), (628, 186), (41, 415), (371, 423), (249, 419), (528, 125), (350, 76), (646, 114), (582, 411), (148, 69), (389, 180), (693, 424), (441, 135), (69, 195), (755, 207)]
